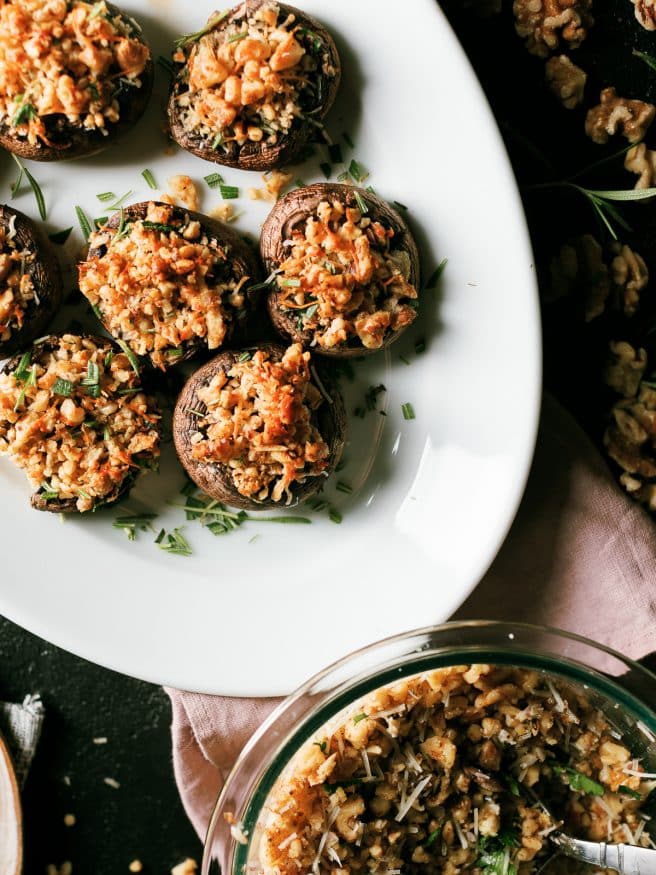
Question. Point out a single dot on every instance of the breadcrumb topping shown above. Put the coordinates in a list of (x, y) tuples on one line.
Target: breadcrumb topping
[(344, 281), (70, 59), (16, 284), (259, 421)]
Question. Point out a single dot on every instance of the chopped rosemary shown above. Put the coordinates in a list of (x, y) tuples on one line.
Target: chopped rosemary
[(60, 237), (160, 226), (62, 387), (357, 172), (420, 346), (134, 362), (218, 140), (136, 523), (229, 192), (343, 177), (627, 791), (405, 360), (244, 357), (235, 38), (579, 782), (150, 179), (335, 516), (361, 202), (437, 273), (319, 505), (24, 113), (187, 38), (123, 229), (400, 205), (85, 225), (344, 487), (100, 221), (22, 372), (106, 196), (408, 411), (175, 353), (347, 139), (46, 491), (16, 184), (649, 60), (298, 183), (30, 381), (173, 542), (291, 283), (359, 718), (326, 169), (120, 201), (214, 180), (38, 194), (335, 153), (433, 837)]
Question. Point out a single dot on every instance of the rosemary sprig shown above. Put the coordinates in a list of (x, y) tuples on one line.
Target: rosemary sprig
[(188, 38), (132, 524), (174, 542), (38, 194), (649, 60)]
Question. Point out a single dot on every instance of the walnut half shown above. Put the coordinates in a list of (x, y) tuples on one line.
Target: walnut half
[(544, 24), (645, 12), (641, 160), (630, 276), (625, 368), (565, 80), (630, 440), (618, 115)]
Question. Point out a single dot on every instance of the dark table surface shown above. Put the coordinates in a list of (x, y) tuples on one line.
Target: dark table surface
[(144, 819)]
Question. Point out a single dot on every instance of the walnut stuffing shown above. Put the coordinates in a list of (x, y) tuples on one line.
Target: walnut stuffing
[(642, 161), (629, 276), (625, 368), (565, 80), (645, 12), (579, 270), (618, 115), (546, 24)]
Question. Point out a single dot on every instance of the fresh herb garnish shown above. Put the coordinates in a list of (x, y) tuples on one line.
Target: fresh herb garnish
[(344, 176), (60, 237), (433, 837), (134, 362), (319, 505), (400, 205), (335, 153), (359, 717), (432, 281), (188, 38), (361, 202), (322, 745), (175, 353), (579, 782), (160, 226), (29, 382), (137, 523), (347, 139), (357, 172), (229, 192), (326, 169), (494, 856), (291, 283), (150, 179), (62, 387), (235, 38), (244, 357), (120, 201), (513, 786), (46, 491), (173, 542), (408, 411), (218, 140), (97, 311), (122, 230), (214, 180), (38, 194), (420, 346), (628, 791), (344, 487), (106, 196), (85, 225), (92, 380), (335, 516), (650, 60), (25, 113), (22, 372)]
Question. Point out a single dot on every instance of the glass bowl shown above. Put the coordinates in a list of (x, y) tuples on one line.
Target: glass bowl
[(620, 687)]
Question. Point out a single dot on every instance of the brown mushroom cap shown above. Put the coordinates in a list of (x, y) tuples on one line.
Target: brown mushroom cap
[(262, 155), (72, 141), (69, 505), (214, 478), (243, 261), (46, 276), (292, 211)]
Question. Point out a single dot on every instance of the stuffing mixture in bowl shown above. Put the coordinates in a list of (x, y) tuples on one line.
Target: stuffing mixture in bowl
[(440, 773)]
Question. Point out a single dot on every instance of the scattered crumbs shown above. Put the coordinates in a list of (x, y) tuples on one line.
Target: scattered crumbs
[(112, 782), (101, 739), (135, 866), (69, 820), (66, 780), (274, 182), (224, 212), (183, 188), (166, 198), (187, 867)]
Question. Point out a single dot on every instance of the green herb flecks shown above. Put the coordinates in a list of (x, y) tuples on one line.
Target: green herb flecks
[(357, 172), (214, 180), (160, 226), (174, 542), (359, 718), (60, 237), (135, 523), (335, 153), (326, 169), (649, 60), (494, 853), (322, 745), (347, 139), (221, 520), (29, 382), (24, 114), (85, 224), (627, 791), (134, 362), (229, 192), (361, 202), (150, 179), (579, 782), (237, 37), (433, 837), (335, 516), (188, 38), (433, 279), (408, 411), (105, 196), (47, 492), (92, 380), (36, 188), (62, 387)]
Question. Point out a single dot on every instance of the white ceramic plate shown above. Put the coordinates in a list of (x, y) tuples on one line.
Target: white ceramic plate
[(433, 497)]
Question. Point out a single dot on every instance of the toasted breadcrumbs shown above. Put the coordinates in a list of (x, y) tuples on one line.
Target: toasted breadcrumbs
[(187, 867), (17, 289)]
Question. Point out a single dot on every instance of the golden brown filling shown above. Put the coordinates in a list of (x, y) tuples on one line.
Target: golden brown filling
[(258, 422), (253, 79), (76, 420), (16, 286), (160, 283), (64, 58), (343, 280), (433, 775)]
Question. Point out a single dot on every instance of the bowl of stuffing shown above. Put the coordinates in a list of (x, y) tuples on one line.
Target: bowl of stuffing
[(467, 746)]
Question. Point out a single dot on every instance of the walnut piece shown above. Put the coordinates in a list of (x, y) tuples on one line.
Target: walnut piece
[(641, 160), (630, 441), (630, 275), (625, 368), (565, 80), (618, 115), (545, 23), (579, 269), (645, 12)]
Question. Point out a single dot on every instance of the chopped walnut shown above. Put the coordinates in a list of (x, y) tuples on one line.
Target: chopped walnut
[(618, 115), (224, 212), (625, 369), (565, 80), (184, 190), (187, 867), (641, 160), (630, 275), (630, 441), (579, 269), (545, 23), (274, 182), (645, 12)]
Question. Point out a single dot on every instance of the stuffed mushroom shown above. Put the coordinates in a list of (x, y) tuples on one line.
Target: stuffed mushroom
[(346, 270), (259, 428), (73, 77), (74, 417), (169, 282), (30, 281), (251, 88)]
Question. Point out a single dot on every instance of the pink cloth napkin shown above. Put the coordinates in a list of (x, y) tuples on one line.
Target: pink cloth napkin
[(580, 556)]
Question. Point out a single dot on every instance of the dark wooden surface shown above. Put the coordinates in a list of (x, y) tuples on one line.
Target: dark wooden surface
[(144, 819)]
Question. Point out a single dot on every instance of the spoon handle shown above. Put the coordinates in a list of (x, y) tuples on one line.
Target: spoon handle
[(628, 859)]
